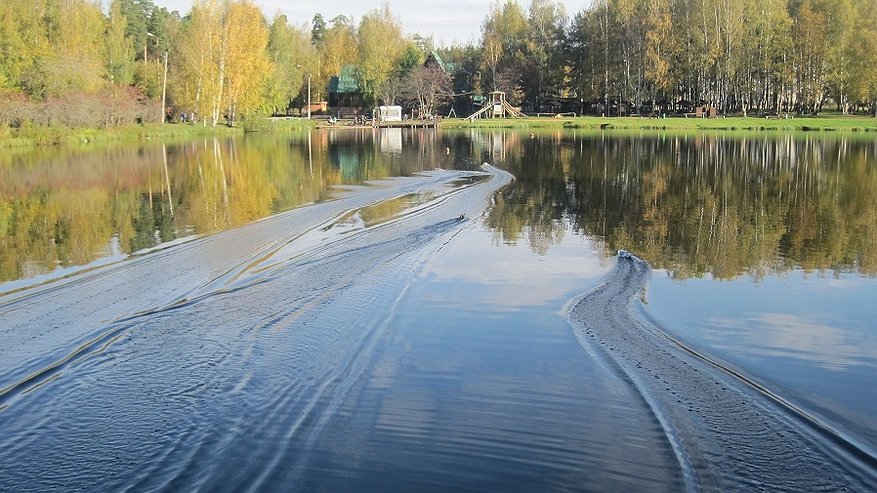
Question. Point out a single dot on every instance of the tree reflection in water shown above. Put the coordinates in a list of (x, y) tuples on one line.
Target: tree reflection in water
[(62, 207), (68, 206), (699, 204), (695, 204)]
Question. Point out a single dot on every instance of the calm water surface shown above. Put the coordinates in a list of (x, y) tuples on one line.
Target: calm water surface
[(764, 249)]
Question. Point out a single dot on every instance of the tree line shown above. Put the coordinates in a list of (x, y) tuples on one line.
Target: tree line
[(69, 62), (738, 55)]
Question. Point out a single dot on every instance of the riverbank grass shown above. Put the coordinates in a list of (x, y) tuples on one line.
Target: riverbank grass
[(34, 136), (821, 123)]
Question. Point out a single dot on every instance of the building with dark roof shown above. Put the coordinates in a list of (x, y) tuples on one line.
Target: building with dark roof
[(434, 60), (345, 95)]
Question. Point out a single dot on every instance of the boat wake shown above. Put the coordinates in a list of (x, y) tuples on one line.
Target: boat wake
[(163, 371), (728, 433)]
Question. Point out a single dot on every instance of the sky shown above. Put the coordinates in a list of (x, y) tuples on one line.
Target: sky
[(448, 21)]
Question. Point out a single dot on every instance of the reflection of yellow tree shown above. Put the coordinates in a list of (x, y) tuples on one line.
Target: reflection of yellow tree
[(67, 228), (508, 226), (85, 227), (62, 206)]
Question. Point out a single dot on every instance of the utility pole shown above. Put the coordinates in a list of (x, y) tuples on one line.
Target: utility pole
[(309, 96), (164, 91), (161, 118)]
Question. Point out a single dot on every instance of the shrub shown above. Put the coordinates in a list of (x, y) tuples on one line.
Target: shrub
[(110, 107)]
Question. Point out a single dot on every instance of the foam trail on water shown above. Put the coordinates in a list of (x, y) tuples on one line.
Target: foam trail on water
[(728, 433), (161, 372)]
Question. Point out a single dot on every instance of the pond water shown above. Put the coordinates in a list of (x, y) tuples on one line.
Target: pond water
[(328, 312)]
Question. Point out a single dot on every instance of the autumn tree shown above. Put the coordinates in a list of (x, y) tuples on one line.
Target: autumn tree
[(198, 81), (246, 67), (864, 51), (810, 55), (119, 50), (544, 71), (24, 45), (840, 51), (427, 87), (380, 46), (392, 89), (657, 49), (75, 31), (292, 57), (504, 35), (225, 69)]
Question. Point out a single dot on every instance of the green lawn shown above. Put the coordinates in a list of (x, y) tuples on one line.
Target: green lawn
[(38, 136), (824, 123)]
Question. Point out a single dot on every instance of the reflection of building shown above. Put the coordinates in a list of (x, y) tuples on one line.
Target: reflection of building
[(345, 96), (346, 159), (391, 140)]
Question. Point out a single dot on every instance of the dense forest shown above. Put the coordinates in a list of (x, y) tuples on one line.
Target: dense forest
[(74, 63)]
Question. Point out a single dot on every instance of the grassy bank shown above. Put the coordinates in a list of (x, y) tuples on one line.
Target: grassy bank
[(42, 136), (33, 136), (824, 124)]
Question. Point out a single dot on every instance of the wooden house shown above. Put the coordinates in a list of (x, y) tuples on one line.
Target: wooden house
[(345, 96)]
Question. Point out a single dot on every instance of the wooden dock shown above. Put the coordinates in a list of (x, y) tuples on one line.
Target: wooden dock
[(410, 124), (349, 124)]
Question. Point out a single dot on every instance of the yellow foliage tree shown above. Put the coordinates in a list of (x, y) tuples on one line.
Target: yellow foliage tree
[(197, 85), (77, 36), (338, 48), (380, 46), (247, 69), (225, 66)]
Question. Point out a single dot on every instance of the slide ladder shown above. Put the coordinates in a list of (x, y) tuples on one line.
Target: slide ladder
[(480, 112), (508, 110), (511, 110)]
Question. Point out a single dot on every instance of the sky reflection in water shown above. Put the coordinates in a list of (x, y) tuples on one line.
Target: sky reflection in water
[(764, 245)]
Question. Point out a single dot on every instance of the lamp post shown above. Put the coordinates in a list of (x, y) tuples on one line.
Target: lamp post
[(309, 92), (163, 81), (309, 96), (164, 90)]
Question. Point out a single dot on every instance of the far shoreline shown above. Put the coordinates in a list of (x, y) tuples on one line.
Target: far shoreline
[(35, 136), (732, 123), (41, 136)]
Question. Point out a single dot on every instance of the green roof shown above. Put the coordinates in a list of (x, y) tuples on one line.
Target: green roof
[(345, 82), (449, 68)]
